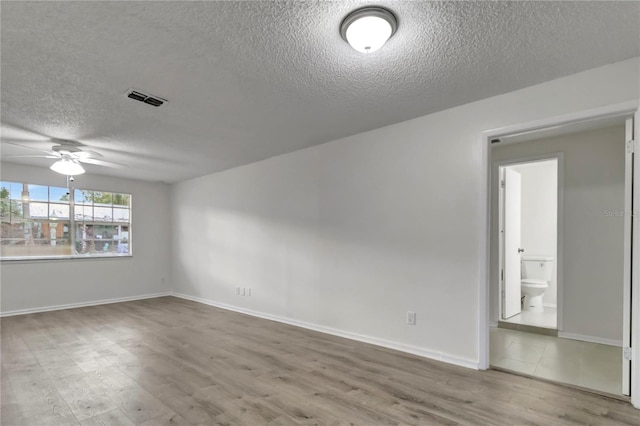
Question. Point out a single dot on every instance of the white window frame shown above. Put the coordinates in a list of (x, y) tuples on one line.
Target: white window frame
[(73, 223)]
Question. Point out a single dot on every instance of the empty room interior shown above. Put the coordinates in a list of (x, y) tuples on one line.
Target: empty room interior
[(318, 212)]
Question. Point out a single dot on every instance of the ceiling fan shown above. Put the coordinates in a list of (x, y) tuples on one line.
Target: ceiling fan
[(69, 154)]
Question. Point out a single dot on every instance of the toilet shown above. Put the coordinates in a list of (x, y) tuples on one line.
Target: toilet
[(536, 275)]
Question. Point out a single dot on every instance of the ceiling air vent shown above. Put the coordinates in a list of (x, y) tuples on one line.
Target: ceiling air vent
[(147, 99), (153, 101)]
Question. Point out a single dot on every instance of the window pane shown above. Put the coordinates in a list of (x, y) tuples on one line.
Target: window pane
[(122, 247), (17, 210), (89, 239), (123, 239), (10, 231), (84, 239), (120, 215), (14, 189), (5, 190), (5, 210), (38, 210), (84, 213), (35, 239), (58, 211), (58, 195), (82, 196), (35, 222), (102, 214), (101, 198), (9, 208), (121, 199), (38, 193)]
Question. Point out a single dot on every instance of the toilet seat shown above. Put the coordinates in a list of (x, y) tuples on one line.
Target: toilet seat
[(532, 283)]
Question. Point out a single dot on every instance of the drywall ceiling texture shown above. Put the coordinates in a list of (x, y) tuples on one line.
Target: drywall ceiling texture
[(250, 80)]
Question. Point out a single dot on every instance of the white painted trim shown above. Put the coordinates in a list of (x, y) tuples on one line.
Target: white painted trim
[(550, 305), (635, 279), (592, 339), (484, 231), (628, 253), (426, 353), (484, 250), (493, 324), (82, 304), (617, 110)]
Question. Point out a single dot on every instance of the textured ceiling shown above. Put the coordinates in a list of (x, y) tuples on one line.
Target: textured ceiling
[(249, 80)]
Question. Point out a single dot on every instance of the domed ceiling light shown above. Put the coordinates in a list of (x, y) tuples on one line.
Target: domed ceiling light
[(67, 166), (369, 28)]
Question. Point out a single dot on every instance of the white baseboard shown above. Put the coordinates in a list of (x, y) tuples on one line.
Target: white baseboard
[(426, 353), (592, 339), (81, 304), (550, 305), (493, 324)]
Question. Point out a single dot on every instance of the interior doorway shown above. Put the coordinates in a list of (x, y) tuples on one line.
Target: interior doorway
[(587, 265), (528, 239)]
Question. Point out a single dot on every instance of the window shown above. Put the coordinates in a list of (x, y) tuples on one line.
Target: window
[(51, 222)]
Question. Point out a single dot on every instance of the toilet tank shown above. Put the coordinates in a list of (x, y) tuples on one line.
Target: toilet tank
[(537, 267)]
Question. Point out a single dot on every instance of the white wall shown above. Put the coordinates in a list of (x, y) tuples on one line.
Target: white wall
[(354, 233), (539, 215), (593, 241), (38, 284)]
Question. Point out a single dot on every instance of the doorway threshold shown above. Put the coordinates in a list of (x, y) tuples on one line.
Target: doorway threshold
[(528, 328), (569, 385)]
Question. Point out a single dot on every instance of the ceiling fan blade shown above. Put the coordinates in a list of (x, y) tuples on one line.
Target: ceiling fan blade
[(16, 133), (87, 154), (30, 156), (100, 162), (41, 146)]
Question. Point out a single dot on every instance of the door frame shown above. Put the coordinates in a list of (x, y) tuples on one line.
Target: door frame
[(629, 108), (629, 179), (559, 157)]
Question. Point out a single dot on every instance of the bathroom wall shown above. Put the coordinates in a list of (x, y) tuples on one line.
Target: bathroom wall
[(593, 239), (539, 215)]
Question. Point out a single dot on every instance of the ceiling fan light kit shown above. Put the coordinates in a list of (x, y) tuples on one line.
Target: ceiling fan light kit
[(368, 29), (69, 155), (68, 167)]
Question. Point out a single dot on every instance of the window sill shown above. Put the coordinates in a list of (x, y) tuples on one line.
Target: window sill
[(57, 258)]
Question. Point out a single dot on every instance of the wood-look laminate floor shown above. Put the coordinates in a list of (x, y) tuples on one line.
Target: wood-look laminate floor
[(170, 361)]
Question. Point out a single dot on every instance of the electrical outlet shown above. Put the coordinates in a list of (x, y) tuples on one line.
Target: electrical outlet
[(237, 291), (411, 318)]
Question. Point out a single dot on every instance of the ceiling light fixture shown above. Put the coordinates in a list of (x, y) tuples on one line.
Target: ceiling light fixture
[(369, 28), (67, 166)]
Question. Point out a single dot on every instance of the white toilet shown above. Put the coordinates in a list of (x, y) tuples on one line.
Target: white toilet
[(536, 275)]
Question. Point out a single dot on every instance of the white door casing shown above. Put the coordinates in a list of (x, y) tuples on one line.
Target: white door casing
[(628, 238), (615, 110)]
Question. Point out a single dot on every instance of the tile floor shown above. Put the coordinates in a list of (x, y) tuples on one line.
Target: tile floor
[(546, 319), (589, 365)]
